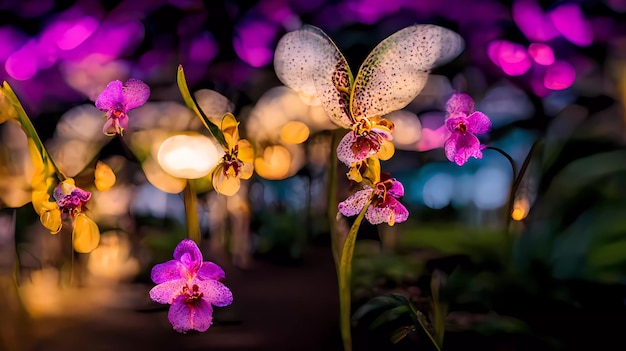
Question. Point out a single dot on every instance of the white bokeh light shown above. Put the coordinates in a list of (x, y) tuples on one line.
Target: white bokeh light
[(188, 156)]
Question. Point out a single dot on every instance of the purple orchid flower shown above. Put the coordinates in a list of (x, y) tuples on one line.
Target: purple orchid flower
[(191, 286), (70, 198), (117, 99), (384, 206), (463, 122)]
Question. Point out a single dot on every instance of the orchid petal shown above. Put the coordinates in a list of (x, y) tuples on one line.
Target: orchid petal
[(396, 190), (111, 97), (190, 316), (397, 68), (478, 123), (460, 104), (308, 61), (170, 270), (135, 93), (210, 270), (354, 204), (188, 253), (166, 292), (215, 292)]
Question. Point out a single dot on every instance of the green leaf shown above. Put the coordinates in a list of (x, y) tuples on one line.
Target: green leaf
[(29, 129), (193, 105), (401, 333)]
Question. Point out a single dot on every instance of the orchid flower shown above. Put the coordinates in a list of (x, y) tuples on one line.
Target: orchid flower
[(237, 162), (391, 76), (70, 200), (384, 206), (190, 286), (117, 99), (463, 122)]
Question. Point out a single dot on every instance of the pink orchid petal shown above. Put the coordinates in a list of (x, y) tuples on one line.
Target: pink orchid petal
[(391, 212), (344, 149), (188, 253), (460, 147), (190, 316), (170, 270), (452, 122), (478, 123), (109, 127), (460, 104), (210, 270), (167, 291), (111, 98), (215, 292), (135, 93), (396, 190), (354, 204)]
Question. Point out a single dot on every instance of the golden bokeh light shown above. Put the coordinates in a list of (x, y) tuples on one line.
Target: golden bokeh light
[(274, 163), (294, 132), (521, 206), (188, 156)]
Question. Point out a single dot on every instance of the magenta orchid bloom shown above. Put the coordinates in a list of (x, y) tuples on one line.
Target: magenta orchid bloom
[(463, 122), (191, 286), (70, 198), (117, 99), (384, 206)]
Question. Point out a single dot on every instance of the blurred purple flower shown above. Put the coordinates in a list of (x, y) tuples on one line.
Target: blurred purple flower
[(191, 286), (70, 198), (384, 206), (117, 99), (464, 122)]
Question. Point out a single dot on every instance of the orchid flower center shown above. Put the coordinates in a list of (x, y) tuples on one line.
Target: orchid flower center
[(232, 165), (379, 195), (460, 127), (193, 295)]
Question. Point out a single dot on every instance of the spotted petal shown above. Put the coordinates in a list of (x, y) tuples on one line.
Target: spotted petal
[(188, 253), (167, 291), (215, 292), (392, 212), (308, 61), (354, 204), (112, 96), (184, 316), (397, 69)]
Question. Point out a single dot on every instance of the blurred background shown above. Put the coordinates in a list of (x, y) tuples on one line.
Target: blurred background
[(548, 73)]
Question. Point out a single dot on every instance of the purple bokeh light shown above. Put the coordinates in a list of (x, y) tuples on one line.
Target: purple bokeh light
[(542, 54), (511, 57), (532, 21), (559, 76), (254, 42), (572, 24)]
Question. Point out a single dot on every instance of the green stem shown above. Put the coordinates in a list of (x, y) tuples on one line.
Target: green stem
[(332, 197), (430, 336), (345, 273), (191, 212), (510, 202), (30, 131)]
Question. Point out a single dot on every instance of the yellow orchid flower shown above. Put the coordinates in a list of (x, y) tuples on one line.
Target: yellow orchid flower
[(237, 162)]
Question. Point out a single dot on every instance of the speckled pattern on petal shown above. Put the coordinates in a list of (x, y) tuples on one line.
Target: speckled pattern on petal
[(308, 61), (167, 291), (478, 123), (396, 70), (136, 93), (396, 190), (354, 204), (184, 317), (460, 104), (215, 292), (111, 97), (170, 270)]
